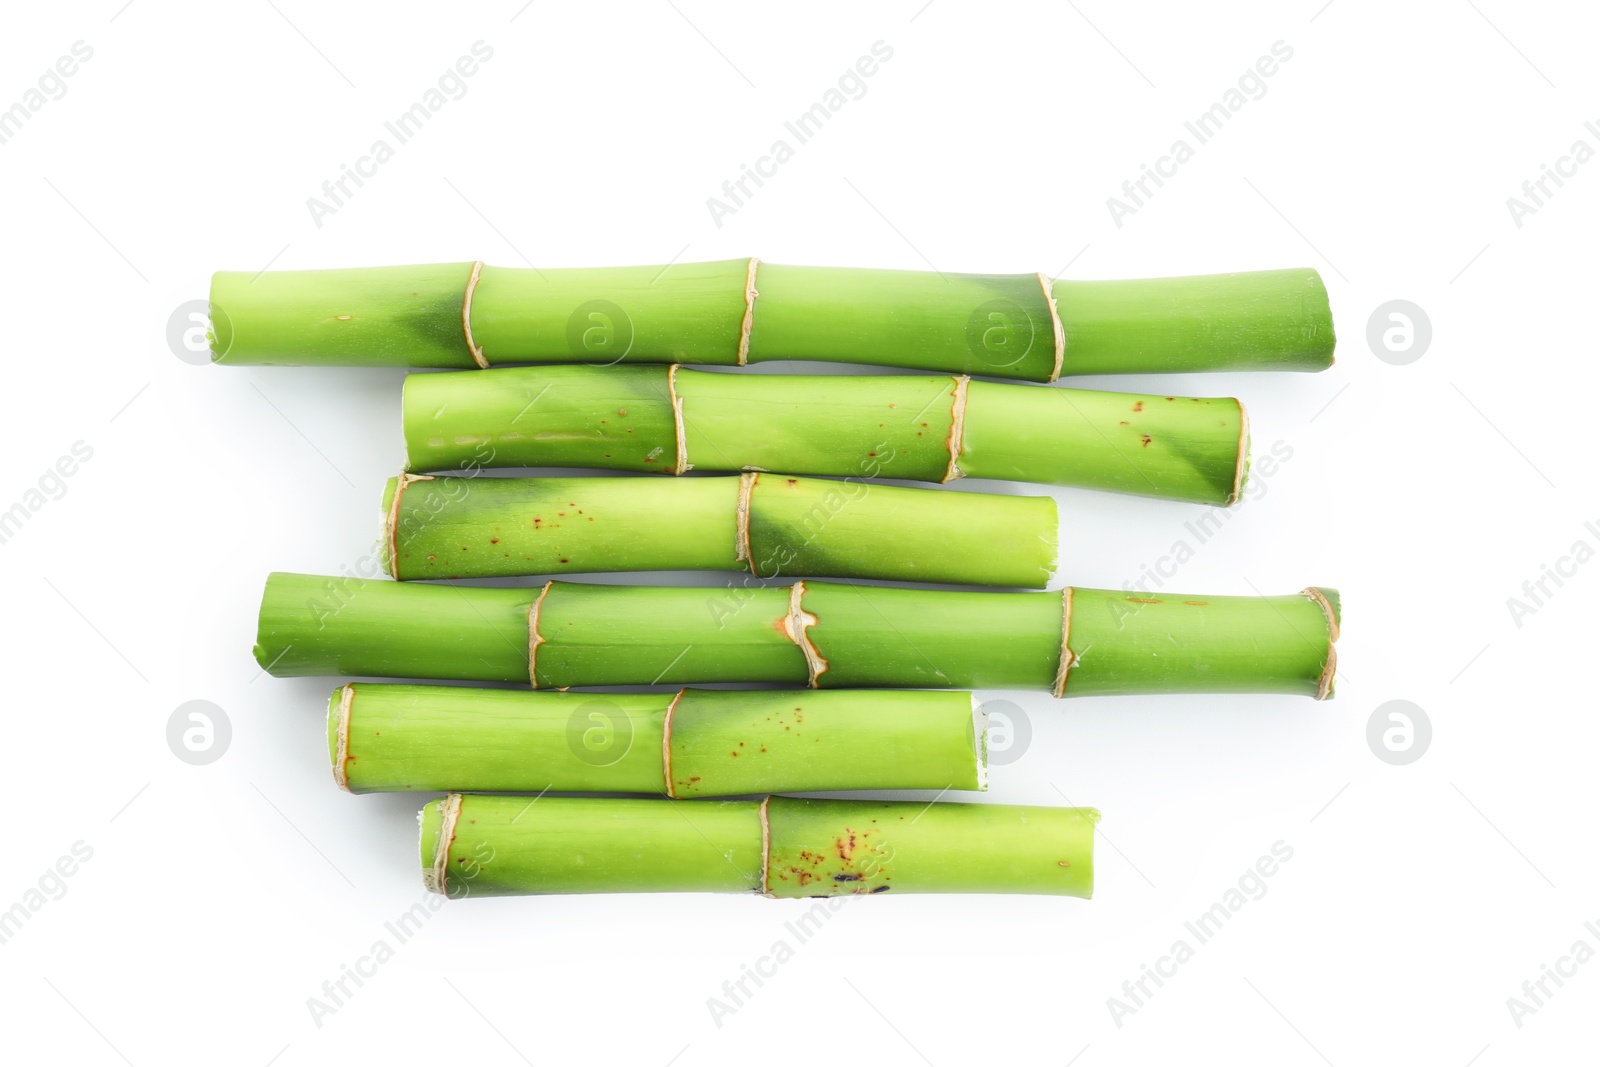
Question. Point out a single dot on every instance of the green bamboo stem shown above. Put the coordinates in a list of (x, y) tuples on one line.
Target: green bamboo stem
[(692, 743), (766, 525), (464, 315), (1077, 642), (932, 429), (786, 847)]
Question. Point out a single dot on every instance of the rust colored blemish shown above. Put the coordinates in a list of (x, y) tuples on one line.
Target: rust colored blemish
[(1144, 440), (623, 412), (1138, 405), (1063, 863), (695, 778), (1196, 603), (494, 540), (1124, 422), (566, 561), (1140, 600)]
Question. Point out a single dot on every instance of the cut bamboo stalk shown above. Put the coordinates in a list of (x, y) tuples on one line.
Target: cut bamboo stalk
[(692, 743), (784, 847), (933, 429), (766, 525), (733, 312), (1077, 642)]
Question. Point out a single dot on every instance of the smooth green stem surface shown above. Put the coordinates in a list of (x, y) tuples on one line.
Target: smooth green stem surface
[(462, 315), (767, 525), (692, 743), (786, 847), (622, 418), (834, 636)]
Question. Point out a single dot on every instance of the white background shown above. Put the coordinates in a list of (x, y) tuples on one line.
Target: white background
[(219, 898)]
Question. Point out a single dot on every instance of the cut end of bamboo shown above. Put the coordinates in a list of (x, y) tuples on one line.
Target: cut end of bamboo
[(1246, 321), (389, 544), (339, 706), (980, 742), (1328, 600), (438, 823), (1241, 469), (410, 316)]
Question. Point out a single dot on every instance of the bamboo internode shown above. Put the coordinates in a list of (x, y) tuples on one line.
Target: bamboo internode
[(734, 312), (1077, 642), (778, 846)]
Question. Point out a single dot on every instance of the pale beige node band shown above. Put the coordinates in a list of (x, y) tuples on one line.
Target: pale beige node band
[(795, 625), (666, 743), (534, 640), (749, 321), (741, 520), (466, 316), (1068, 660), (958, 417), (680, 462), (766, 844), (1058, 332)]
